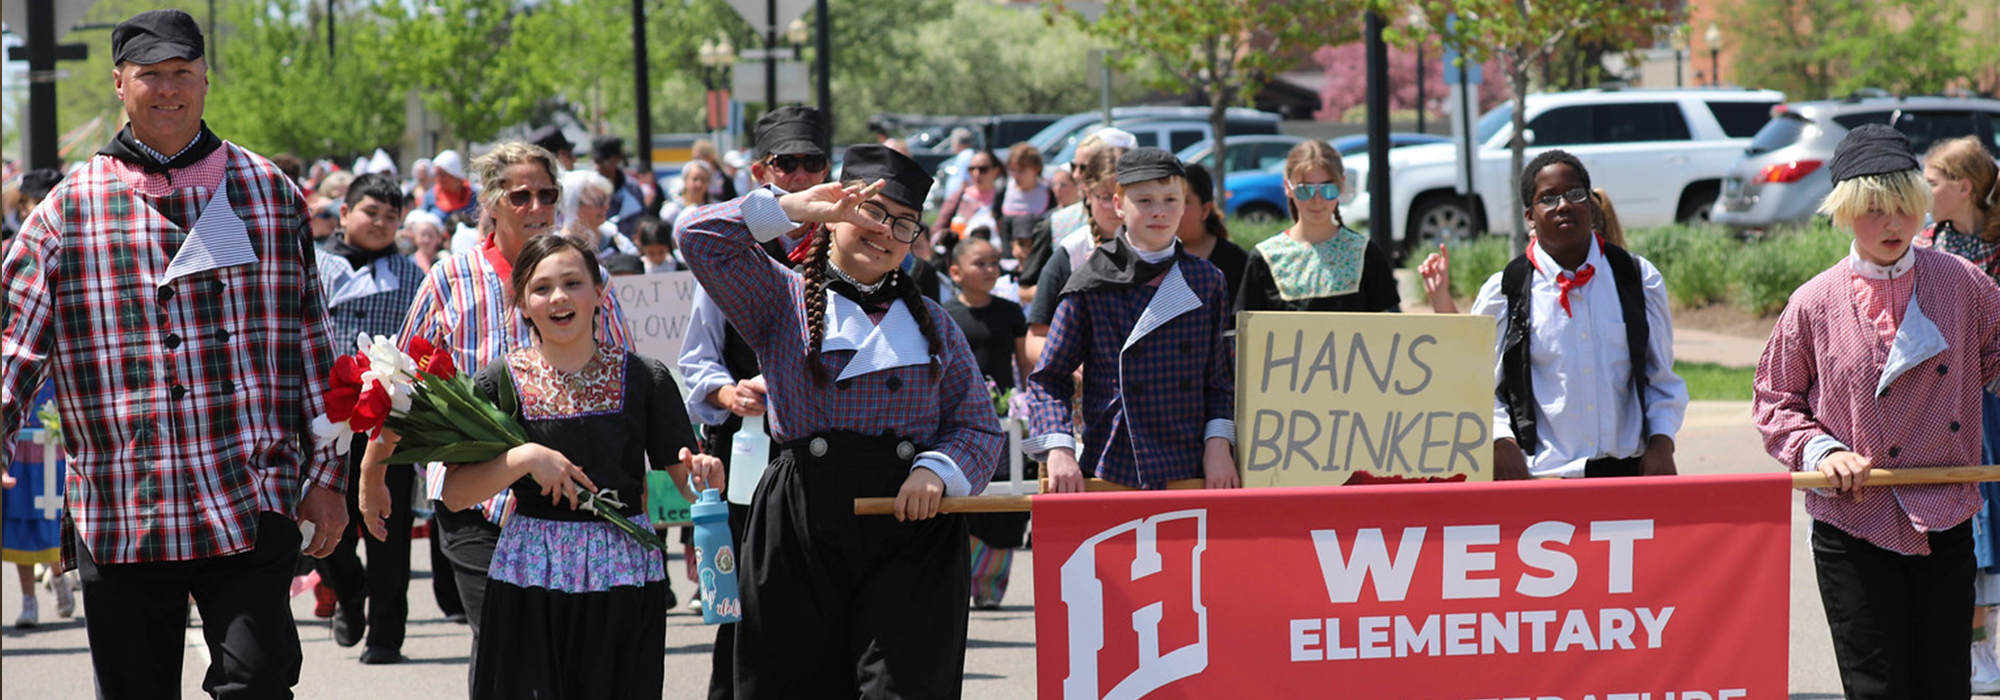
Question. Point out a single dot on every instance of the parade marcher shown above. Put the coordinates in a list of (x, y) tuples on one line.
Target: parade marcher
[(1880, 362), (724, 378), (463, 305), (31, 532), (628, 199), (871, 395), (1318, 264), (574, 607), (1145, 321), (369, 288), (1101, 220), (1584, 373), (453, 198), (1204, 235), (206, 373), (552, 139), (997, 331), (1965, 191)]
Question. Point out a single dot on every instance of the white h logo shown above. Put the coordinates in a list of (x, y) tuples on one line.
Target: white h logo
[(1084, 595)]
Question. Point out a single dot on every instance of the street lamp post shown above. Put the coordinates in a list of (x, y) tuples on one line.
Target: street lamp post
[(1679, 40), (716, 57), (1714, 38)]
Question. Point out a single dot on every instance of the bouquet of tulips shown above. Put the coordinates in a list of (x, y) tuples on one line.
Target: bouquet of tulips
[(437, 415)]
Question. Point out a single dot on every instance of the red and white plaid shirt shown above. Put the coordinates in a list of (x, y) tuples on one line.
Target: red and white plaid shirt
[(188, 351)]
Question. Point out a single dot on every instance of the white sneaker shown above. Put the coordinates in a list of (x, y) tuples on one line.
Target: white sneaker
[(31, 614), (65, 597), (694, 604), (1985, 670)]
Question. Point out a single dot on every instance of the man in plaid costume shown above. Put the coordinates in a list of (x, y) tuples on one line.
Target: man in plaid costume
[(171, 291)]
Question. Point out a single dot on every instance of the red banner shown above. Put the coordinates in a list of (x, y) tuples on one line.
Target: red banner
[(1607, 589)]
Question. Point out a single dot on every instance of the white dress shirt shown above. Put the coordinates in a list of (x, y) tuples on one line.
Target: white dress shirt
[(1581, 367)]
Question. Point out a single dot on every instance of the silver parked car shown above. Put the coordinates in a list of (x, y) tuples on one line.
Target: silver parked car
[(1782, 176)]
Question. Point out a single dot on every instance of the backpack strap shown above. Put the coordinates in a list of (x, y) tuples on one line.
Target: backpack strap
[(1638, 332), (1517, 389)]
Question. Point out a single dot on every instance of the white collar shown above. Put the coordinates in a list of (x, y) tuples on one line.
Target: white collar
[(1864, 268), (897, 341), (1151, 256), (1546, 264)]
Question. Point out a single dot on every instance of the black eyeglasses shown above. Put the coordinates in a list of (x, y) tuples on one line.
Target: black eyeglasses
[(521, 197), (792, 163), (905, 229), (1575, 196)]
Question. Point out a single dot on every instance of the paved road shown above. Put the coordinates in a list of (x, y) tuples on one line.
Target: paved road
[(52, 663)]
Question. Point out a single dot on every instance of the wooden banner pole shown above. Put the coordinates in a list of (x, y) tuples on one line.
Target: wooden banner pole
[(1800, 480)]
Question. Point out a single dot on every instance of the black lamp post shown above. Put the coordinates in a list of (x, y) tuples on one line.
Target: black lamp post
[(1714, 38)]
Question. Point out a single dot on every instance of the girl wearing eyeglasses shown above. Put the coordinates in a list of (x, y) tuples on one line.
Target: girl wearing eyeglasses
[(871, 394), (1318, 264)]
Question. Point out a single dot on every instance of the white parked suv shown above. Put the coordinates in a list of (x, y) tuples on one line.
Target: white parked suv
[(1660, 154)]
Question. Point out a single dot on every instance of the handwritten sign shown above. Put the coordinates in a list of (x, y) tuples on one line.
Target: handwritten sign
[(664, 502), (656, 312), (1322, 398)]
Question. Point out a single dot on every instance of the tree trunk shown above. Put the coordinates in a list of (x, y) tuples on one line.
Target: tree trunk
[(1517, 75), (1218, 120)]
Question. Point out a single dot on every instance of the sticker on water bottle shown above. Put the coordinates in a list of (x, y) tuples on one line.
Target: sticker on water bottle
[(725, 561)]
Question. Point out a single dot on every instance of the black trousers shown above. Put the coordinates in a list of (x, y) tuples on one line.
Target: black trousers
[(1898, 621), (138, 618), (468, 539), (384, 584), (1612, 466), (444, 586), (838, 605)]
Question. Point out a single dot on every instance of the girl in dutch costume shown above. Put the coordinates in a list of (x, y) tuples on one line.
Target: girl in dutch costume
[(1318, 264), (573, 608), (870, 395)]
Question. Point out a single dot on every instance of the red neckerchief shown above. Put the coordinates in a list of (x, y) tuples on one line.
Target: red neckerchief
[(448, 200), (1565, 281), (799, 252), (500, 263)]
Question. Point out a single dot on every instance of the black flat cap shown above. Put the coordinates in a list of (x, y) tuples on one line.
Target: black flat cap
[(902, 178), (1872, 149), (551, 138), (154, 36), (604, 147), (790, 131), (36, 183), (1148, 164)]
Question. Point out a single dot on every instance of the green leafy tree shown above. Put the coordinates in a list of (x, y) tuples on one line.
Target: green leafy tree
[(1223, 49), (482, 65), (1521, 34), (283, 93), (1817, 49)]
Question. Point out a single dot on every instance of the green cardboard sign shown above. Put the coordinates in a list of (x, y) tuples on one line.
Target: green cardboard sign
[(664, 502)]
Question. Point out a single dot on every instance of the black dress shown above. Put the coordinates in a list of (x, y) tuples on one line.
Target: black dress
[(1347, 272), (575, 608)]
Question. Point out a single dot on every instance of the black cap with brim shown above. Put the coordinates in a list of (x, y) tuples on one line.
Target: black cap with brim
[(604, 147), (903, 179), (154, 36), (790, 131), (1148, 164), (551, 138), (1872, 149)]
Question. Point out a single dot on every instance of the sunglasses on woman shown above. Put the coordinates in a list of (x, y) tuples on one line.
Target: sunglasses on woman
[(521, 197), (1327, 191), (792, 163)]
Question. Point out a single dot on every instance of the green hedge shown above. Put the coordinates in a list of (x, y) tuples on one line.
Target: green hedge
[(1702, 265)]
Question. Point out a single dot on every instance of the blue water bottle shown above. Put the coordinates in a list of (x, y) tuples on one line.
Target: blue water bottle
[(715, 559)]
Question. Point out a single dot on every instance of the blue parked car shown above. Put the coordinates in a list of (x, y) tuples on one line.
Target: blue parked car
[(1259, 195)]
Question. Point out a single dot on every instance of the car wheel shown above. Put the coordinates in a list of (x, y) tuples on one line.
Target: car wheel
[(1696, 206), (1437, 218), (1260, 213)]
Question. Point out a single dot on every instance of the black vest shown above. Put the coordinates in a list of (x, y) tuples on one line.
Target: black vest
[(1517, 387)]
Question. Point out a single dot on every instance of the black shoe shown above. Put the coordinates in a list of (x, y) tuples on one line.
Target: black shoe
[(377, 655), (349, 622), (459, 618)]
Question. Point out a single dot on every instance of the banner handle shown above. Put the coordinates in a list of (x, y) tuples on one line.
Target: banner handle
[(1800, 480)]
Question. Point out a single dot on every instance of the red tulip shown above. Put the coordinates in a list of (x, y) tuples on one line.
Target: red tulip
[(371, 410), (418, 347), (439, 363)]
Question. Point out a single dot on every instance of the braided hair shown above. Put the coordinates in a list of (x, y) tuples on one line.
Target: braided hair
[(817, 259)]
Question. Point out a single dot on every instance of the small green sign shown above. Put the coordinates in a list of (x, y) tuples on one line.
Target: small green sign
[(664, 503)]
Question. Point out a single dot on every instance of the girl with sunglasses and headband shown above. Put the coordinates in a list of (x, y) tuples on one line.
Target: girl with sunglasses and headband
[(1318, 264), (871, 394)]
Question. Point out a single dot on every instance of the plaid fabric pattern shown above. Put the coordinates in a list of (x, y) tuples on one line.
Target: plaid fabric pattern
[(184, 401), (1818, 379), (464, 305), (1146, 407), (375, 314), (951, 413)]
